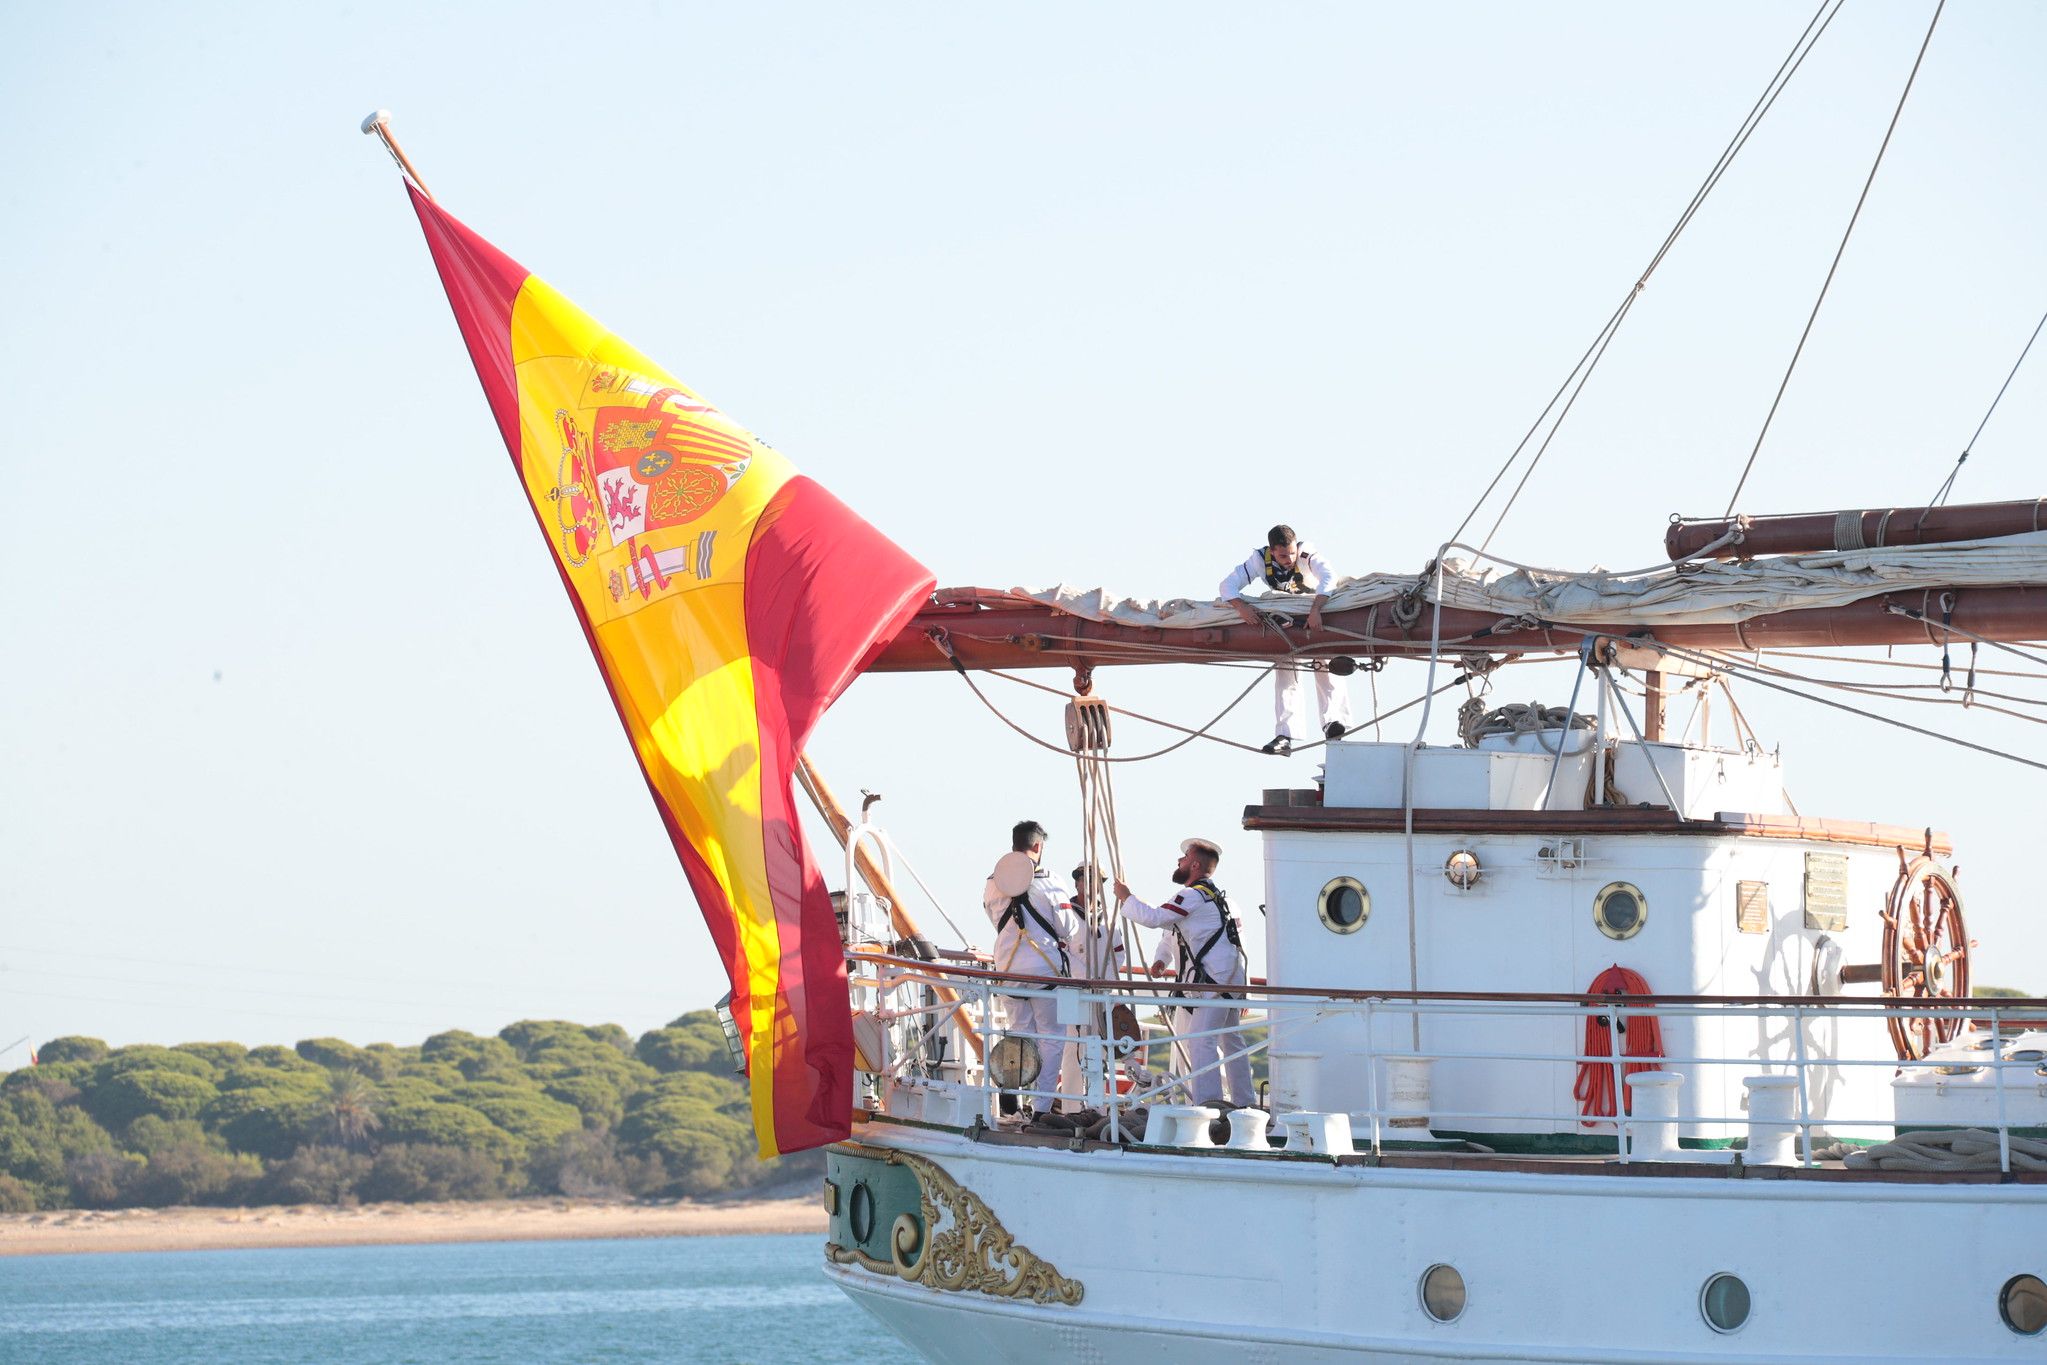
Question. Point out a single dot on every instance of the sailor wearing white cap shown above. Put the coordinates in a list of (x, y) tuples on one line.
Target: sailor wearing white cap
[(1036, 932), (1202, 936)]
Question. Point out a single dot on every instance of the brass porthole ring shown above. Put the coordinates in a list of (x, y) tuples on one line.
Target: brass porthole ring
[(1344, 905), (1620, 910)]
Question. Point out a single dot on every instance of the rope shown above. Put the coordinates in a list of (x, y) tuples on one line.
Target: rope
[(1761, 681), (1951, 1149), (1940, 496), (1192, 735), (1839, 251), (1202, 733), (1516, 718), (1582, 371), (1642, 1036), (1953, 629)]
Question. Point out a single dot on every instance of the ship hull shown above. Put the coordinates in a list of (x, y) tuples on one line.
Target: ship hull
[(1201, 1257)]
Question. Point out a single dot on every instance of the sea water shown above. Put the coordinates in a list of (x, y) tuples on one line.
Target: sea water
[(760, 1300)]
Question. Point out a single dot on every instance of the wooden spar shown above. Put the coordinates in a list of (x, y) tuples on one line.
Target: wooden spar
[(1012, 635), (1805, 532), (870, 871)]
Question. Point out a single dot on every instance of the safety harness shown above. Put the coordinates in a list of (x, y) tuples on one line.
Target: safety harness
[(1193, 964), (1282, 579), (1020, 906)]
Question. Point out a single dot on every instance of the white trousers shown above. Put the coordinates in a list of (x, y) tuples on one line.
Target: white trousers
[(1330, 694), (1037, 1014), (1204, 1078)]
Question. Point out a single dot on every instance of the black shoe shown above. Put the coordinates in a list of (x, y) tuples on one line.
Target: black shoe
[(1334, 730), (1280, 745)]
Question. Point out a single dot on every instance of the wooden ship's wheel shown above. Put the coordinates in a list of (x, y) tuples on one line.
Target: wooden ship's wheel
[(1926, 952)]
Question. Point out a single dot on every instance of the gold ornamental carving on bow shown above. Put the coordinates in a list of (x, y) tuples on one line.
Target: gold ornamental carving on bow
[(966, 1248)]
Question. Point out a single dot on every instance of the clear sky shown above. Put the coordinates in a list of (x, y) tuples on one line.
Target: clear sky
[(297, 735)]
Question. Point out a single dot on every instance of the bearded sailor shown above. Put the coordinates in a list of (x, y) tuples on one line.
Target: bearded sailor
[(1202, 939), (1288, 565), (1036, 932)]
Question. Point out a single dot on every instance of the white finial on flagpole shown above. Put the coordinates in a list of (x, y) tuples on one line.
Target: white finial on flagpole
[(379, 122)]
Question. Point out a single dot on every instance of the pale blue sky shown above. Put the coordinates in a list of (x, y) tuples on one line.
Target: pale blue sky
[(299, 737)]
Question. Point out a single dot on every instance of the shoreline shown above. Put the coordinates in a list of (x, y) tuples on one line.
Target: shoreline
[(65, 1232)]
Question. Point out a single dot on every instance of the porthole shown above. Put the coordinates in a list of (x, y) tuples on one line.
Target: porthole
[(1619, 910), (860, 1212), (1462, 869), (1344, 905), (1724, 1302), (2023, 1305), (1443, 1293)]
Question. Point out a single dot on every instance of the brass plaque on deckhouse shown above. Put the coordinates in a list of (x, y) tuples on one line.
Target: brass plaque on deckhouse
[(1826, 891), (1752, 907)]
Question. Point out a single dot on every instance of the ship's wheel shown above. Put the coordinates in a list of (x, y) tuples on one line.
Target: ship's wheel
[(1926, 953)]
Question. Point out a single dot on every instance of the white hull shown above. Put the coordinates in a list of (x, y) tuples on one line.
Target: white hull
[(1197, 1258)]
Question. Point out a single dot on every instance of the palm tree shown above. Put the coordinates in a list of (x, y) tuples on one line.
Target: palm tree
[(351, 1108)]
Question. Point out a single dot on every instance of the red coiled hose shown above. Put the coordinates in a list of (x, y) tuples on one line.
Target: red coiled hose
[(1641, 1036)]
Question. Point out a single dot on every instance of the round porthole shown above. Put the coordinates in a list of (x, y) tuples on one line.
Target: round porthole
[(860, 1212), (1619, 910), (1724, 1302), (1443, 1293), (1344, 905), (2023, 1305), (1462, 869)]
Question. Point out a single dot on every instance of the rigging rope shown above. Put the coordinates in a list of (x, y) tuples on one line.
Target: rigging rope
[(1839, 251), (1743, 671), (1940, 495), (1582, 371)]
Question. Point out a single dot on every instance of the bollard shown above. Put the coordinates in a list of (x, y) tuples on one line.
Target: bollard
[(1772, 1120), (1652, 1102), (1247, 1130)]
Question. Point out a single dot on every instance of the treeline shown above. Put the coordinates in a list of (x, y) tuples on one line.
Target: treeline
[(545, 1107)]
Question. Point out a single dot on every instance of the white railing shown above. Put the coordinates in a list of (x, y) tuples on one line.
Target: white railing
[(929, 1008)]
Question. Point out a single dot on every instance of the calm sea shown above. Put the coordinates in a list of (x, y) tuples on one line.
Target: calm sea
[(761, 1300)]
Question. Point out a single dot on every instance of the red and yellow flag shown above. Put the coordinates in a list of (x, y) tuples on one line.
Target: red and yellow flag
[(729, 600)]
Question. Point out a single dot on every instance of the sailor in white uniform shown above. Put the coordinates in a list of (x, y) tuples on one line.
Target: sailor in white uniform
[(1036, 934), (1287, 564), (1203, 941)]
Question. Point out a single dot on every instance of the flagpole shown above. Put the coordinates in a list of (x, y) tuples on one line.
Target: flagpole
[(379, 122), (870, 872)]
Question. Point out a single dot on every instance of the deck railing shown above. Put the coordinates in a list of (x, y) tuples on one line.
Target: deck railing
[(927, 1051)]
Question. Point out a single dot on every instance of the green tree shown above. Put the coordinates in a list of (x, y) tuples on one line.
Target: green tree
[(407, 1171), (71, 1048), (352, 1108), (129, 1095), (692, 1043), (316, 1175), (220, 1056), (476, 1058), (193, 1173), (17, 1196)]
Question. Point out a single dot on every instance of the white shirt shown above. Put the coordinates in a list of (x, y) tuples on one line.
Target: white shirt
[(1027, 949), (1315, 572), (1196, 919)]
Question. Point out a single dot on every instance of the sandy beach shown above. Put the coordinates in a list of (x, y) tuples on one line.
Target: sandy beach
[(62, 1231)]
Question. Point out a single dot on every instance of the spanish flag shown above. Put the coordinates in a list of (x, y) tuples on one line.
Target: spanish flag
[(729, 600)]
